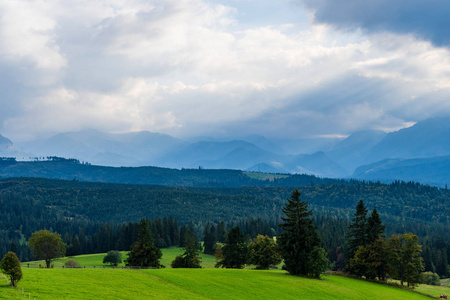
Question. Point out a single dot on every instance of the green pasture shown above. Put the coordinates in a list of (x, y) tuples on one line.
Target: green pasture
[(432, 290), (91, 260), (206, 283), (119, 283)]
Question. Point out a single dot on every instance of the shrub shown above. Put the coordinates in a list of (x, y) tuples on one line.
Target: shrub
[(10, 265), (431, 278), (71, 263), (113, 258)]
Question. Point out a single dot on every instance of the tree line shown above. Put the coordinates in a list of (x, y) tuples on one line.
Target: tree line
[(368, 253), (87, 214)]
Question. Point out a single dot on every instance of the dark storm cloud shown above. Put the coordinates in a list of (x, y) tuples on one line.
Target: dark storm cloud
[(426, 19)]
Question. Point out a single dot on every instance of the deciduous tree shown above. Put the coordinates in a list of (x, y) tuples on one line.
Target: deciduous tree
[(405, 262), (371, 261), (113, 258), (10, 265), (46, 245), (263, 252)]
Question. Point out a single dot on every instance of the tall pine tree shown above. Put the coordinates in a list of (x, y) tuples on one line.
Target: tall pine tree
[(299, 243), (357, 236), (375, 227), (190, 258), (234, 251), (143, 252), (209, 239)]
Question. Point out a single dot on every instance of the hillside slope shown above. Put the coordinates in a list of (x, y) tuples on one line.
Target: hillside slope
[(195, 284)]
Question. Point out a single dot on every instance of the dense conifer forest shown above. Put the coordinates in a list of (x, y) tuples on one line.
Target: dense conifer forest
[(98, 217)]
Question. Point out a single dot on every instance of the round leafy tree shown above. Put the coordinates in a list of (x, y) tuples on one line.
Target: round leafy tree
[(46, 245), (263, 252), (113, 258), (10, 265)]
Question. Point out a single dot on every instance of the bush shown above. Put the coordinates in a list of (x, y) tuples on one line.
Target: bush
[(10, 265), (113, 258), (263, 252), (71, 263), (431, 278), (181, 261)]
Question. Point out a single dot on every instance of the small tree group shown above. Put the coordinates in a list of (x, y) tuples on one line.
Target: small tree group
[(299, 244), (235, 253), (10, 265), (373, 257)]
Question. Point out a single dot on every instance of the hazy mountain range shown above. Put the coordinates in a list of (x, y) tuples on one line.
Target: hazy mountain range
[(420, 152)]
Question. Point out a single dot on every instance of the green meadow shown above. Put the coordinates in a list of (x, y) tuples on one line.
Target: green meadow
[(206, 283), (119, 283), (91, 260)]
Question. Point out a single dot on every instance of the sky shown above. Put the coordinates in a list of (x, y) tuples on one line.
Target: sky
[(286, 68)]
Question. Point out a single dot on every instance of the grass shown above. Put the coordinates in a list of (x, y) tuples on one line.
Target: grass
[(102, 283), (432, 290), (91, 260), (445, 282)]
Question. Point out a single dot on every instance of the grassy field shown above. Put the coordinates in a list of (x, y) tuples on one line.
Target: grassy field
[(208, 283), (91, 260), (445, 282), (432, 290), (102, 283)]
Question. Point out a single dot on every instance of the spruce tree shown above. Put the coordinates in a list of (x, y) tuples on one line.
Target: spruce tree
[(190, 258), (234, 251), (375, 227), (143, 252), (299, 243), (209, 239), (357, 236)]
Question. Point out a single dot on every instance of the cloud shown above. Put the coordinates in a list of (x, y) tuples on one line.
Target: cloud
[(425, 19), (192, 67)]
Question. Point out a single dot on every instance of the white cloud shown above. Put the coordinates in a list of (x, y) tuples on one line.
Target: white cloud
[(26, 32), (190, 67)]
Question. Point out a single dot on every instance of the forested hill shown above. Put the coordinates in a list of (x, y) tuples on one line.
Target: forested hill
[(94, 212), (123, 203), (70, 169)]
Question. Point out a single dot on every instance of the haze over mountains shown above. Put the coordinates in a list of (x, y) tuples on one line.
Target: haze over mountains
[(418, 153)]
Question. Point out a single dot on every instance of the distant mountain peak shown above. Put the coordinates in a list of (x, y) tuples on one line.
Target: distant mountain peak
[(5, 141)]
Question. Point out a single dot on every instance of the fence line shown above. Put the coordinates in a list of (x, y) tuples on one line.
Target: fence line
[(28, 266)]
